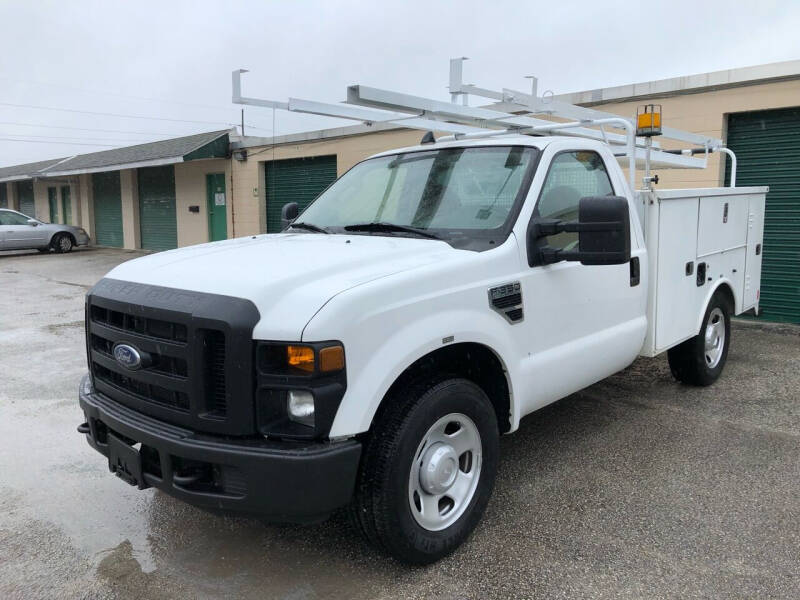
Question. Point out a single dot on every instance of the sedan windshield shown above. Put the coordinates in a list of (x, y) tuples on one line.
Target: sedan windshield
[(455, 191)]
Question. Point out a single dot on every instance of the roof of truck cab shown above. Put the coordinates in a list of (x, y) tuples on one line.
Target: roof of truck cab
[(503, 140)]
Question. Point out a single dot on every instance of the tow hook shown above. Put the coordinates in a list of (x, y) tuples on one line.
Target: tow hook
[(83, 428)]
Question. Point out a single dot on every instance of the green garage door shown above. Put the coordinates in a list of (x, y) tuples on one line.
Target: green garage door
[(767, 147), (25, 198), (296, 180), (3, 196), (107, 209), (157, 218)]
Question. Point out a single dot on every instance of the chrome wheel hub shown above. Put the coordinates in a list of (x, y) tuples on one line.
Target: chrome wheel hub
[(439, 468), (445, 472), (714, 338)]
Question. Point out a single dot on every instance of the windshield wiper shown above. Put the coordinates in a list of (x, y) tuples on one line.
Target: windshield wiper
[(310, 227), (383, 226)]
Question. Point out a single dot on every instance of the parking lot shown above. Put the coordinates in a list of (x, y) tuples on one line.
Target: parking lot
[(637, 487)]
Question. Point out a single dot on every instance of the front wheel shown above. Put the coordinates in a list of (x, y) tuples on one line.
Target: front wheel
[(62, 243), (428, 470), (700, 360)]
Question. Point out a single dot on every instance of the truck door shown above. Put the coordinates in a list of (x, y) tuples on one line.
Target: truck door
[(582, 323)]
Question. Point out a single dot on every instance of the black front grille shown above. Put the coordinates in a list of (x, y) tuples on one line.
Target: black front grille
[(214, 361), (145, 391), (196, 354), (154, 328), (162, 363)]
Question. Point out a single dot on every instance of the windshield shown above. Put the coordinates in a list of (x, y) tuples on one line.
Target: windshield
[(469, 191)]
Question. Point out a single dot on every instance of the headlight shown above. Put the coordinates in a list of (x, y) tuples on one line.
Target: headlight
[(300, 407), (299, 387)]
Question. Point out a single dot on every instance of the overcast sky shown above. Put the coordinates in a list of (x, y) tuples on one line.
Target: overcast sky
[(171, 61)]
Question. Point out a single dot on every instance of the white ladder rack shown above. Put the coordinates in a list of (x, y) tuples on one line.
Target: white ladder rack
[(513, 112)]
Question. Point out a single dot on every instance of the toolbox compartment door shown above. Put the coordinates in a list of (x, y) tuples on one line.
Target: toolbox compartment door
[(755, 237)]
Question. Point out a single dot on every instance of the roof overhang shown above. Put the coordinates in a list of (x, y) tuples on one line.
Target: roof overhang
[(157, 162)]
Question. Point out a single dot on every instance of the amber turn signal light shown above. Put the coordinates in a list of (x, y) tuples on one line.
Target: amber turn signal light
[(300, 357), (331, 359)]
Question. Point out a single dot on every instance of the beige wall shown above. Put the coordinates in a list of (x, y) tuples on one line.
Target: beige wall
[(84, 199), (190, 190), (13, 201), (41, 206), (129, 196), (9, 187)]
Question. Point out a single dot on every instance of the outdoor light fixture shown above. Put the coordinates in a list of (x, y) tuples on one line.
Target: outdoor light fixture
[(648, 120)]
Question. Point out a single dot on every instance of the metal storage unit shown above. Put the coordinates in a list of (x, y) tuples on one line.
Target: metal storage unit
[(157, 219), (25, 198), (767, 146), (107, 209), (298, 180)]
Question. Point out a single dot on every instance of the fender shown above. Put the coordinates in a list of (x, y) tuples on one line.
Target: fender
[(402, 349), (718, 283)]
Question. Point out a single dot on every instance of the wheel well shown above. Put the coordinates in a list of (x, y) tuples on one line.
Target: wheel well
[(725, 290), (471, 361)]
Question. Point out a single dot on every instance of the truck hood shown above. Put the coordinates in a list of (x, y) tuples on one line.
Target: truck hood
[(288, 276)]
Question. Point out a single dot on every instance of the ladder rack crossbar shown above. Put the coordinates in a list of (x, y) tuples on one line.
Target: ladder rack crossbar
[(512, 113)]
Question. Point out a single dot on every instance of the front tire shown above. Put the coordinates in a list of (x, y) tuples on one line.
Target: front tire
[(700, 360), (428, 469), (62, 243)]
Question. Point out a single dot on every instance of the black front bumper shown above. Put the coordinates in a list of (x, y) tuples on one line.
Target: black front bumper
[(282, 481)]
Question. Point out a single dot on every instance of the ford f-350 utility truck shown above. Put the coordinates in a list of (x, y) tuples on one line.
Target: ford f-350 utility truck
[(372, 354)]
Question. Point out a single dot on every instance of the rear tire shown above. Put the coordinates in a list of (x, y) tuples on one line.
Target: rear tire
[(700, 360), (62, 243), (428, 470)]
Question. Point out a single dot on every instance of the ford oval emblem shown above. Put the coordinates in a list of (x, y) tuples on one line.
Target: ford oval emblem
[(127, 356)]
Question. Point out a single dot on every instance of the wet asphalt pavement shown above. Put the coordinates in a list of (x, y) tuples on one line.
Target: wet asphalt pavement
[(637, 487)]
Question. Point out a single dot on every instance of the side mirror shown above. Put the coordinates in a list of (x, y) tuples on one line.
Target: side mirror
[(604, 234), (289, 213), (33, 222)]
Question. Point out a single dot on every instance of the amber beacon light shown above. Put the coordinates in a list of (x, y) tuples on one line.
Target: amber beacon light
[(648, 120)]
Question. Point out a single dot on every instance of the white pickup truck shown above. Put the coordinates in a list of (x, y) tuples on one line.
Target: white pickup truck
[(371, 355)]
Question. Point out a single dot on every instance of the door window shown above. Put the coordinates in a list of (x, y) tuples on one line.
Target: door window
[(572, 176), (12, 218)]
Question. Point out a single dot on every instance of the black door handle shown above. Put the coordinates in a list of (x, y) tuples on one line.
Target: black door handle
[(701, 274), (635, 271)]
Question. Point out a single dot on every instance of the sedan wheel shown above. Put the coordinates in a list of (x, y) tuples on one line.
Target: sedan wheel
[(62, 243)]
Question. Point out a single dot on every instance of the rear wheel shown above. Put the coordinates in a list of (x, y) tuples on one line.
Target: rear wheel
[(428, 470), (62, 243), (700, 360)]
